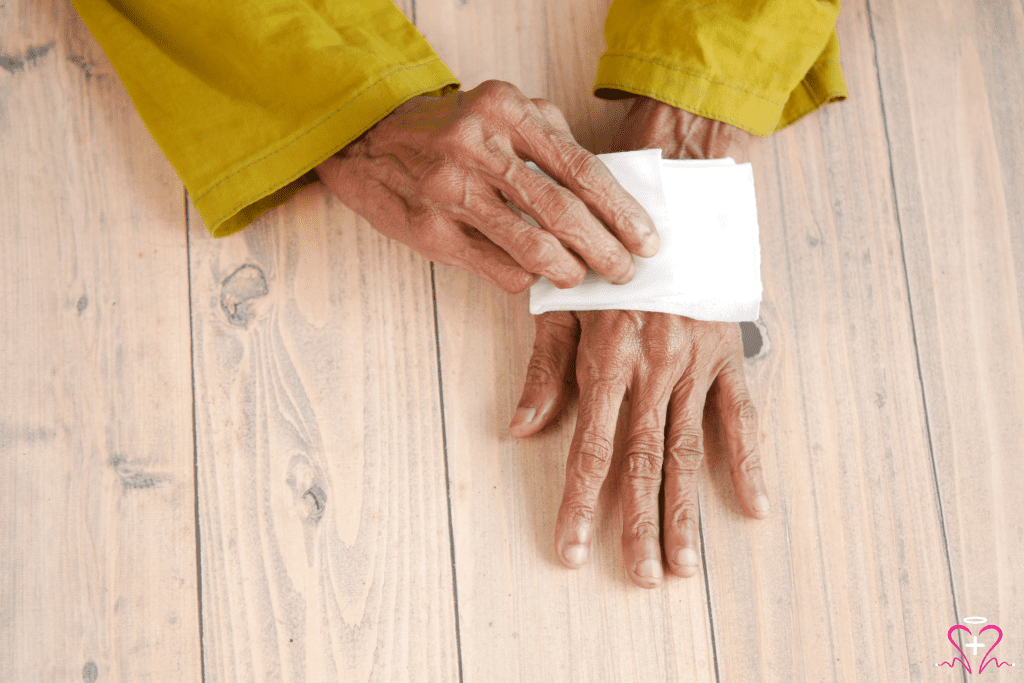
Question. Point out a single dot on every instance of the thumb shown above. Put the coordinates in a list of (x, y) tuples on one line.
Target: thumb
[(550, 372)]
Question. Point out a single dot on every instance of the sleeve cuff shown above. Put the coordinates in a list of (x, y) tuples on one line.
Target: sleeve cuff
[(762, 113), (824, 83), (273, 176), (752, 111)]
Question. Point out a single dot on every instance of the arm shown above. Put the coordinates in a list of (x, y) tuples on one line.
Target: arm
[(246, 100), (671, 367), (704, 77)]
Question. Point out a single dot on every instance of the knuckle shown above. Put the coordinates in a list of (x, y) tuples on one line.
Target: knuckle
[(744, 415), (584, 167), (534, 250), (645, 457), (748, 462), (683, 517), (686, 451), (604, 363), (593, 453), (555, 206), (644, 528), (626, 217), (542, 367), (568, 218), (644, 465), (494, 95), (577, 514), (598, 366)]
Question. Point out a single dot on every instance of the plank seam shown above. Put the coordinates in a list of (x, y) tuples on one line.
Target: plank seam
[(447, 477), (195, 444), (913, 323), (707, 591)]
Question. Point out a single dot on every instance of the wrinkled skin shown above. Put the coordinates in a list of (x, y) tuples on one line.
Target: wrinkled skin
[(670, 367), (436, 173)]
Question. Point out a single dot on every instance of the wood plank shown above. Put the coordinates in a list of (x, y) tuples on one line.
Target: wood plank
[(952, 85), (848, 579), (322, 496), (523, 617), (97, 527), (832, 270)]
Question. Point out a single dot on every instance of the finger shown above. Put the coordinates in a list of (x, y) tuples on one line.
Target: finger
[(684, 454), (739, 419), (472, 251), (537, 251), (588, 178), (641, 483), (553, 114), (590, 455), (549, 373), (565, 217)]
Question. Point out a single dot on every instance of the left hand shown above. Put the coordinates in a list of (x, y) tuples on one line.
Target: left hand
[(668, 366)]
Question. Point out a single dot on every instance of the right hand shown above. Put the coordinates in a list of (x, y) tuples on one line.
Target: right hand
[(436, 173)]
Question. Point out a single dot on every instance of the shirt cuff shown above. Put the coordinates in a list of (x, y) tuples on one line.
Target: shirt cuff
[(277, 174)]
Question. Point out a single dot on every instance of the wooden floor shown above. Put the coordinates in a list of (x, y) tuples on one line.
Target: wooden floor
[(283, 456)]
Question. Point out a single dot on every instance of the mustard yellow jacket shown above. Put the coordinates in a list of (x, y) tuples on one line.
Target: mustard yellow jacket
[(245, 98)]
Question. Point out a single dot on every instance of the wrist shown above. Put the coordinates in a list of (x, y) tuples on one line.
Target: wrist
[(680, 134)]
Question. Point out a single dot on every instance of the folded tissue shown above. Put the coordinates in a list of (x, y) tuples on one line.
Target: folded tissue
[(709, 263)]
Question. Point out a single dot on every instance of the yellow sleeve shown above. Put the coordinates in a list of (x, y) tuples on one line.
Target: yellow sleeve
[(245, 98), (756, 64)]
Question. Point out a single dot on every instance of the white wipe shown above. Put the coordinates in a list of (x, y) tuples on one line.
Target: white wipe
[(709, 263)]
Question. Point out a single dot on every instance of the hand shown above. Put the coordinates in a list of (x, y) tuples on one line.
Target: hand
[(436, 173), (669, 366), (666, 365)]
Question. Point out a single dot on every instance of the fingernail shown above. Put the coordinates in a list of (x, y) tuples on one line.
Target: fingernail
[(576, 554), (686, 557), (761, 503), (649, 569), (630, 274), (651, 244), (523, 416)]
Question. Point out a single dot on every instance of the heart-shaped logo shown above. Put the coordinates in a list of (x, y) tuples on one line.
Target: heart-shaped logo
[(985, 658)]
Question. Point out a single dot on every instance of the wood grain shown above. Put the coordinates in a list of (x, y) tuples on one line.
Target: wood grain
[(523, 617), (957, 149), (847, 581), (322, 500), (891, 395), (97, 528)]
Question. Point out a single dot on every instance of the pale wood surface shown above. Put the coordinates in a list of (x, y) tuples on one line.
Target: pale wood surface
[(97, 527), (329, 418), (958, 163), (322, 499), (861, 591)]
